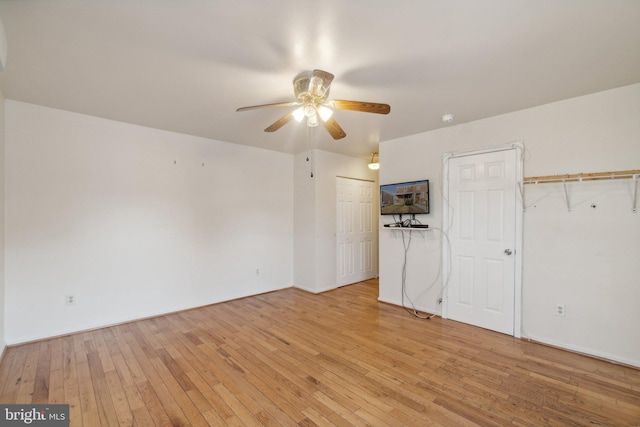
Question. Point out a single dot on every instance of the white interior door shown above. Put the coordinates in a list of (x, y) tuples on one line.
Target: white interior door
[(355, 235), (482, 195)]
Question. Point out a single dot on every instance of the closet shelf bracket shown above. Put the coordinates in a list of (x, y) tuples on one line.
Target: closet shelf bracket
[(634, 207), (566, 195)]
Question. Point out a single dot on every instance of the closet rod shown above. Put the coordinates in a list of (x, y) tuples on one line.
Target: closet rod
[(582, 177)]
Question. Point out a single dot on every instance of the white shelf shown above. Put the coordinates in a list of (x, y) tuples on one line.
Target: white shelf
[(407, 228)]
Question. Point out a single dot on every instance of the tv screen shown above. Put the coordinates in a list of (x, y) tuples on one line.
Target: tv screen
[(405, 198)]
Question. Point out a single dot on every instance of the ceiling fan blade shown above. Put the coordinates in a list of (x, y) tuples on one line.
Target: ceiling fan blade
[(279, 123), (277, 104), (334, 128), (366, 107)]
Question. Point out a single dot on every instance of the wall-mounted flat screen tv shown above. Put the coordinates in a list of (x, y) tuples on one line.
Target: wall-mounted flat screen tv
[(405, 198)]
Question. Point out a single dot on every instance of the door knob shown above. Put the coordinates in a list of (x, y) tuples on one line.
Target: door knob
[(507, 252)]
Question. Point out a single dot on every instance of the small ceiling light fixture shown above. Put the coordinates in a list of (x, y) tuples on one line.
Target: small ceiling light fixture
[(312, 121), (324, 112), (298, 114), (447, 118), (375, 163)]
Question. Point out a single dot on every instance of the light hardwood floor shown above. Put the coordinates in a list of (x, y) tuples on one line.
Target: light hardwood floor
[(294, 358)]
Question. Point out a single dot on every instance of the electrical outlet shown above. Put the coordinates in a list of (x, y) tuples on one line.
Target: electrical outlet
[(560, 310), (71, 299), (257, 271)]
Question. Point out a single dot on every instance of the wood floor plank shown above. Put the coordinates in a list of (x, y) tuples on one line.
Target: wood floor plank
[(291, 358), (178, 393), (13, 363), (88, 403), (7, 359), (142, 417), (105, 407), (28, 378), (70, 380), (239, 410), (119, 398), (56, 369), (277, 399)]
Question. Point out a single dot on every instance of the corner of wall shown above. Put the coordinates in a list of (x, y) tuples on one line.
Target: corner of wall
[(314, 214), (304, 268), (3, 343)]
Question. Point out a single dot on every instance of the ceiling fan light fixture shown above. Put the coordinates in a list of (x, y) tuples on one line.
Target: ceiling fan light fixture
[(311, 90), (312, 121), (374, 165), (315, 86), (325, 113), (298, 114), (309, 110)]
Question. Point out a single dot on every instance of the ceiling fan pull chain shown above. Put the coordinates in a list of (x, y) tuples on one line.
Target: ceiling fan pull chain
[(310, 153)]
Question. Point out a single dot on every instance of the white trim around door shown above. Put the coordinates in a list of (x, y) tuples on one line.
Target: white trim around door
[(447, 216)]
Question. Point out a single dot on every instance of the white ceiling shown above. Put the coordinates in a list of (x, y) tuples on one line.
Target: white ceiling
[(186, 65)]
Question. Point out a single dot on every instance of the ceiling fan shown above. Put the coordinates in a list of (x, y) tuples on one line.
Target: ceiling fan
[(312, 92)]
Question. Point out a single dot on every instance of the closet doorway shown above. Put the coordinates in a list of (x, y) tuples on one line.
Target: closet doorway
[(356, 234)]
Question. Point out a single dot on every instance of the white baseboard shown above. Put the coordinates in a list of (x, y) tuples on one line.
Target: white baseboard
[(101, 325), (585, 351), (314, 291), (430, 310)]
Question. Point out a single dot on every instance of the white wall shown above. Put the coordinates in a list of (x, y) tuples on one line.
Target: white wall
[(587, 258), (304, 259), (3, 342), (128, 220), (315, 215)]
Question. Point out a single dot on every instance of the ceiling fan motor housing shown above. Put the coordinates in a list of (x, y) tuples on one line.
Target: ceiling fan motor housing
[(313, 88)]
